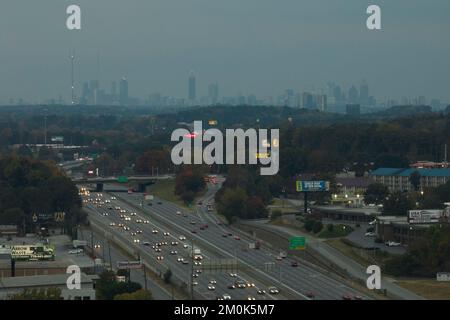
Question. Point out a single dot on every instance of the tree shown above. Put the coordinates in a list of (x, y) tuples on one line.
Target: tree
[(140, 294), (376, 193), (398, 204), (317, 226), (233, 203), (414, 179)]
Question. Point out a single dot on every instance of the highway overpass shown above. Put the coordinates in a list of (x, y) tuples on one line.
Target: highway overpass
[(140, 180)]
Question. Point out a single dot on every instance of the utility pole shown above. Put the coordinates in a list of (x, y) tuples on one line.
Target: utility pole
[(192, 270)]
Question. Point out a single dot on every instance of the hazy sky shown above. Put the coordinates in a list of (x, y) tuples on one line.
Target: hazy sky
[(250, 46)]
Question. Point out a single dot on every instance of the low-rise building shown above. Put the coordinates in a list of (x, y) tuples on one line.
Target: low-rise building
[(399, 179), (397, 229), (15, 285)]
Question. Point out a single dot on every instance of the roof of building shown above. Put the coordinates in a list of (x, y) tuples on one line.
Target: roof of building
[(358, 182), (406, 172), (41, 281)]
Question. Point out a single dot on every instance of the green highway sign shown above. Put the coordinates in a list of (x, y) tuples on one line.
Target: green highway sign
[(122, 179), (297, 243)]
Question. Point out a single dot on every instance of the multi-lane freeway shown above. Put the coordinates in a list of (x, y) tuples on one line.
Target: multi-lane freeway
[(222, 248)]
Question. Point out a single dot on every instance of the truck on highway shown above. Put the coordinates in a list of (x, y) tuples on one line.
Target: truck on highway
[(197, 254), (254, 245)]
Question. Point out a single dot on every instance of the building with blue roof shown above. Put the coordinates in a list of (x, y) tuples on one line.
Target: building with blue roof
[(398, 179)]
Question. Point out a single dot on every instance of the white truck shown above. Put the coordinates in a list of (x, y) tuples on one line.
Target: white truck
[(197, 254)]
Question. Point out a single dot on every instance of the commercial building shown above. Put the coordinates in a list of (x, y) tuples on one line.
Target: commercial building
[(15, 285), (399, 179)]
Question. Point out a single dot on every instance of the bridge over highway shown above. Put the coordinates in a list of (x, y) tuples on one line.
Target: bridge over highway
[(141, 180)]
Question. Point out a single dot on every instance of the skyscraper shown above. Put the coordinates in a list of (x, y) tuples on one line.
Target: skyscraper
[(353, 96), (191, 85), (364, 93), (123, 92), (213, 93)]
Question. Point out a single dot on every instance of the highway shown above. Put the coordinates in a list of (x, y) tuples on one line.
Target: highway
[(295, 282), (110, 255), (181, 271)]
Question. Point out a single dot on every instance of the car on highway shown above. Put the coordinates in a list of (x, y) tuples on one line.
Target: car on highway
[(185, 215), (105, 214), (154, 231), (173, 252), (185, 246), (294, 264), (197, 263), (159, 258), (192, 222), (159, 202), (251, 298), (279, 258), (138, 221), (224, 235), (136, 241), (240, 284), (195, 275), (211, 287), (133, 233), (185, 261), (146, 222), (113, 198), (273, 290), (237, 238), (126, 228), (178, 213), (261, 292), (146, 243), (139, 231), (233, 275), (393, 244), (250, 284), (370, 234), (347, 296), (194, 283), (166, 234), (310, 294), (181, 238), (194, 231), (76, 251), (212, 281), (226, 296), (112, 224), (174, 243), (158, 250)]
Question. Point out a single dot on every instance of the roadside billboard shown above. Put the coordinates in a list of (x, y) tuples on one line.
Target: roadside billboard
[(424, 216), (312, 186), (32, 252)]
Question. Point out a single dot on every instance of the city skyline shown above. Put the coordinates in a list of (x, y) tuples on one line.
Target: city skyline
[(261, 50)]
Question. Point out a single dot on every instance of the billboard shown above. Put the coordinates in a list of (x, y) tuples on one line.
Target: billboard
[(425, 216), (32, 252), (312, 186)]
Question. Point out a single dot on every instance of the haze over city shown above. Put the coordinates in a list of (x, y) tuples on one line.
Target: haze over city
[(246, 47)]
